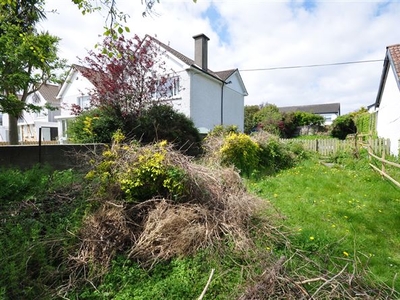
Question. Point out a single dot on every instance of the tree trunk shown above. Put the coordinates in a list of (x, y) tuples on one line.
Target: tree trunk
[(13, 127)]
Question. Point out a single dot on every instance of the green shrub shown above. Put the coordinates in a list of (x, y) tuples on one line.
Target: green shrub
[(19, 185), (275, 155), (241, 151), (223, 130), (94, 126), (342, 126), (162, 122)]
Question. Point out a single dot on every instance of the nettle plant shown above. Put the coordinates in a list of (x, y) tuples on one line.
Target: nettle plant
[(135, 174)]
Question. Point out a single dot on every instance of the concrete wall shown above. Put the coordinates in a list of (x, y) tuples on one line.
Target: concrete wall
[(57, 156)]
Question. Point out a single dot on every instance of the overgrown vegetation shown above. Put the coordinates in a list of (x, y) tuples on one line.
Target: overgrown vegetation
[(155, 123), (38, 209), (149, 222), (284, 124)]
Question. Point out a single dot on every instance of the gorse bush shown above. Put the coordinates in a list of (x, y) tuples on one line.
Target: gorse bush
[(256, 154), (147, 173), (223, 130), (94, 126), (241, 151)]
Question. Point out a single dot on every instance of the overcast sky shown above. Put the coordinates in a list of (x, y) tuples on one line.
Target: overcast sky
[(259, 37)]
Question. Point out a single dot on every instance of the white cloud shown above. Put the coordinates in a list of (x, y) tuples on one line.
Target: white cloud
[(263, 34)]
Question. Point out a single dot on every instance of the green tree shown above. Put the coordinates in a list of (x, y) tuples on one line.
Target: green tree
[(28, 59), (269, 117), (249, 122), (342, 126)]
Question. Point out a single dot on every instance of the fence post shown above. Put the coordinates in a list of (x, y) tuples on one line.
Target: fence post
[(383, 161)]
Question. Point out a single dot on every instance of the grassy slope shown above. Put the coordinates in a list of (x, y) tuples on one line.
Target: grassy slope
[(349, 211)]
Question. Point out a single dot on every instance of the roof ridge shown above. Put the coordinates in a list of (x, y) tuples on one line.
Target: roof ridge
[(186, 59)]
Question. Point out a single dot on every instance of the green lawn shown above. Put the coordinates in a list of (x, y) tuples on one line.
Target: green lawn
[(348, 212)]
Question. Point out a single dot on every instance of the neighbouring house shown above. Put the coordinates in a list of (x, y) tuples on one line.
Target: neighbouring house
[(30, 123), (387, 104), (330, 111), (209, 98), (74, 91), (4, 131)]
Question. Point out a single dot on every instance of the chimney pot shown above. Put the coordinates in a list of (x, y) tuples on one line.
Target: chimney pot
[(201, 51)]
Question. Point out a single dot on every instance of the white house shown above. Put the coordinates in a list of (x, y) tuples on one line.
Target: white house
[(209, 98), (74, 91), (30, 122), (387, 104), (4, 131), (330, 111)]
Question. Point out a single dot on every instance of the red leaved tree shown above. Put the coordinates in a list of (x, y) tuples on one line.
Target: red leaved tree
[(128, 75)]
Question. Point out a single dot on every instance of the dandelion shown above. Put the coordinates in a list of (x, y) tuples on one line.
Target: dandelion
[(275, 195), (345, 253), (333, 225), (311, 238)]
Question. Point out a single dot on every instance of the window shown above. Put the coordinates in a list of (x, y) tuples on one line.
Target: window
[(169, 89), (172, 85), (84, 101)]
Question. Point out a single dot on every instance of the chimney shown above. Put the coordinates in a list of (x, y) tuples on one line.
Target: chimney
[(200, 51)]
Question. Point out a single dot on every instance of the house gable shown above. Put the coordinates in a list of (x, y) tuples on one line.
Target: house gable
[(387, 101), (209, 98)]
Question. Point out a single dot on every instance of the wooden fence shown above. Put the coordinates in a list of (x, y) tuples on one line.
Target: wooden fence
[(327, 147), (377, 156)]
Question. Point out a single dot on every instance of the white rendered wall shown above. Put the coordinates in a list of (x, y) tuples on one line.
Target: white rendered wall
[(205, 103), (388, 117), (78, 86), (4, 129)]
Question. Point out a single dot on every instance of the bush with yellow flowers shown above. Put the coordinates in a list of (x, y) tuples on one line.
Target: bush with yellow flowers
[(240, 150)]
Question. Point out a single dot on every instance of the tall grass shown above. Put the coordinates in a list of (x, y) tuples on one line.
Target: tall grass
[(344, 210)]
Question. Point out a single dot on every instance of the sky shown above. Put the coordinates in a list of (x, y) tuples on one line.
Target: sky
[(273, 43)]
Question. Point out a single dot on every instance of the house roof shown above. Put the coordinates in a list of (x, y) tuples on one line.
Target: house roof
[(394, 52), (315, 109), (392, 59), (221, 75), (49, 92)]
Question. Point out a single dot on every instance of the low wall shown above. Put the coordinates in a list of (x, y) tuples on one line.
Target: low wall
[(57, 156)]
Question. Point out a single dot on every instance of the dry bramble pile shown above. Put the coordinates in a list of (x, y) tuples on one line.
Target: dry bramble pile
[(152, 203)]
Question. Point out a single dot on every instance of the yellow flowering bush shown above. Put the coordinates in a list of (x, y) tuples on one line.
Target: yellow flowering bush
[(241, 151), (138, 173)]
